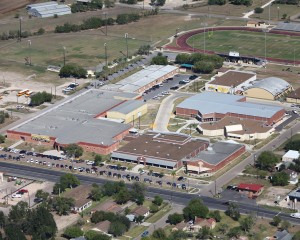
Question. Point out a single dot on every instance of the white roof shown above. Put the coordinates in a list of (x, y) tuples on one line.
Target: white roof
[(233, 128), (291, 154)]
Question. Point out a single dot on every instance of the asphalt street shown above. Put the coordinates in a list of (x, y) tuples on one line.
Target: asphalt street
[(173, 197)]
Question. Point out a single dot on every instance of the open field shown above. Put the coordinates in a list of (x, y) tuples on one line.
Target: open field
[(290, 10), (227, 9), (11, 5), (248, 43)]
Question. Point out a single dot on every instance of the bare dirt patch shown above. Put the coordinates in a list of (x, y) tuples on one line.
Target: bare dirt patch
[(11, 5)]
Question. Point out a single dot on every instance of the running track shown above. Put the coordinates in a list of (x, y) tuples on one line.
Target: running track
[(182, 45)]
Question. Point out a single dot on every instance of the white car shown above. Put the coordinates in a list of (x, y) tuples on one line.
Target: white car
[(295, 215), (90, 162), (16, 195), (36, 161)]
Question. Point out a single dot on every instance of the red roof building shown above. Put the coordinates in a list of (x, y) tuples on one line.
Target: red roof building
[(250, 189)]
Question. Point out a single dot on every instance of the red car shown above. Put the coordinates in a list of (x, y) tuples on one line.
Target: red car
[(22, 191)]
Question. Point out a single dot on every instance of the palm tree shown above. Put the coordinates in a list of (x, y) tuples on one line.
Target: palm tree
[(140, 172), (173, 173), (150, 172)]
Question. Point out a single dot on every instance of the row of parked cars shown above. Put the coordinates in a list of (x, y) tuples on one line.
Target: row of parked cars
[(70, 88)]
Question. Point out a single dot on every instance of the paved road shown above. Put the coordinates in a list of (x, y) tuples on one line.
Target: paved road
[(209, 189), (178, 197), (165, 111)]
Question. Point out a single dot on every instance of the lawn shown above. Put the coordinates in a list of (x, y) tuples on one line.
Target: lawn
[(248, 43), (164, 209), (133, 232), (290, 10)]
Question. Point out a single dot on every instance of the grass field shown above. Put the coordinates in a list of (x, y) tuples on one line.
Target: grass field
[(248, 43), (290, 10)]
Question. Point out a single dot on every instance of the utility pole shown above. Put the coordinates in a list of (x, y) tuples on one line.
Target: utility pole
[(20, 29), (126, 38), (64, 48), (105, 17), (29, 51), (105, 50)]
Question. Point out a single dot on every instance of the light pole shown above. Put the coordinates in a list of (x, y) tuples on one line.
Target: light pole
[(64, 48), (204, 41), (126, 38), (278, 8), (20, 29), (105, 50), (294, 58), (176, 32), (265, 31), (29, 51), (105, 16)]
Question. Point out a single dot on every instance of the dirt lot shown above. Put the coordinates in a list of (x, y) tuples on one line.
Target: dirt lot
[(272, 194), (11, 5)]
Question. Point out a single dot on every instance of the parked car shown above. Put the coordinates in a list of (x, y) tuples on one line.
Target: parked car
[(145, 234), (16, 195)]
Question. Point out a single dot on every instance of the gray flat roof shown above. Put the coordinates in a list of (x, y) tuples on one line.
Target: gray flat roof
[(217, 153), (128, 106), (75, 121), (144, 77), (212, 102)]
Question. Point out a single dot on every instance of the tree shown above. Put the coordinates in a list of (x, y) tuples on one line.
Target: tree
[(93, 235), (97, 159), (266, 161), (216, 215), (217, 2), (41, 194), (159, 60), (68, 180), (195, 208), (139, 219), (123, 196), (293, 145), (175, 218), (204, 233), (117, 229), (160, 2), (203, 67), (40, 223), (296, 236), (71, 70), (18, 213), (73, 150), (258, 10), (13, 232), (159, 234), (73, 232), (2, 219), (2, 138), (222, 228), (144, 50), (138, 192), (285, 225), (39, 98), (62, 205), (158, 200), (96, 193), (153, 208), (247, 223), (280, 179), (276, 221), (182, 58), (234, 232), (233, 211)]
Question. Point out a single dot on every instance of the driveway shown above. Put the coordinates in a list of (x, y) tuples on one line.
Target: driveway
[(165, 111)]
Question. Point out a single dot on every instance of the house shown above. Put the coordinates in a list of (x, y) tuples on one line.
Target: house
[(182, 226), (141, 211), (280, 235), (203, 222), (109, 206), (102, 226), (293, 176), (290, 156), (81, 196), (251, 190)]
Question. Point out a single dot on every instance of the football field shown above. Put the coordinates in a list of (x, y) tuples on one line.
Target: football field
[(248, 43)]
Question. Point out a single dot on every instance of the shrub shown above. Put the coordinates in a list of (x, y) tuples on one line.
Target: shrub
[(258, 10)]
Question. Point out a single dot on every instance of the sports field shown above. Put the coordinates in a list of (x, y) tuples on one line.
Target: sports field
[(248, 43)]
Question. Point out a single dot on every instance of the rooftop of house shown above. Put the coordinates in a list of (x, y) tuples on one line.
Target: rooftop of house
[(140, 211), (250, 187), (80, 194)]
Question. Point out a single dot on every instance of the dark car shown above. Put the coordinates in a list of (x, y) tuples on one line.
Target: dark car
[(174, 184), (174, 87), (38, 200), (23, 152), (193, 77), (183, 186), (145, 234), (180, 178), (169, 183), (159, 182)]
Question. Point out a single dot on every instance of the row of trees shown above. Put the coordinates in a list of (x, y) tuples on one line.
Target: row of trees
[(120, 192), (94, 23), (67, 180), (159, 60), (37, 223), (289, 2), (12, 34), (89, 6), (202, 63), (40, 98), (3, 116), (72, 70)]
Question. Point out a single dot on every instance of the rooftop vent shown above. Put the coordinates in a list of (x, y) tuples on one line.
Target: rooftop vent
[(157, 152), (134, 149), (145, 150)]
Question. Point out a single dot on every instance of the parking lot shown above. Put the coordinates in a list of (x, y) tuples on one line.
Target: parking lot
[(165, 87), (112, 171)]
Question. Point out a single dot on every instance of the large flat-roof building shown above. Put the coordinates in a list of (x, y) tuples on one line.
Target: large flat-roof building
[(230, 82), (82, 120), (214, 157), (166, 150), (270, 88), (48, 9), (144, 79), (212, 106)]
